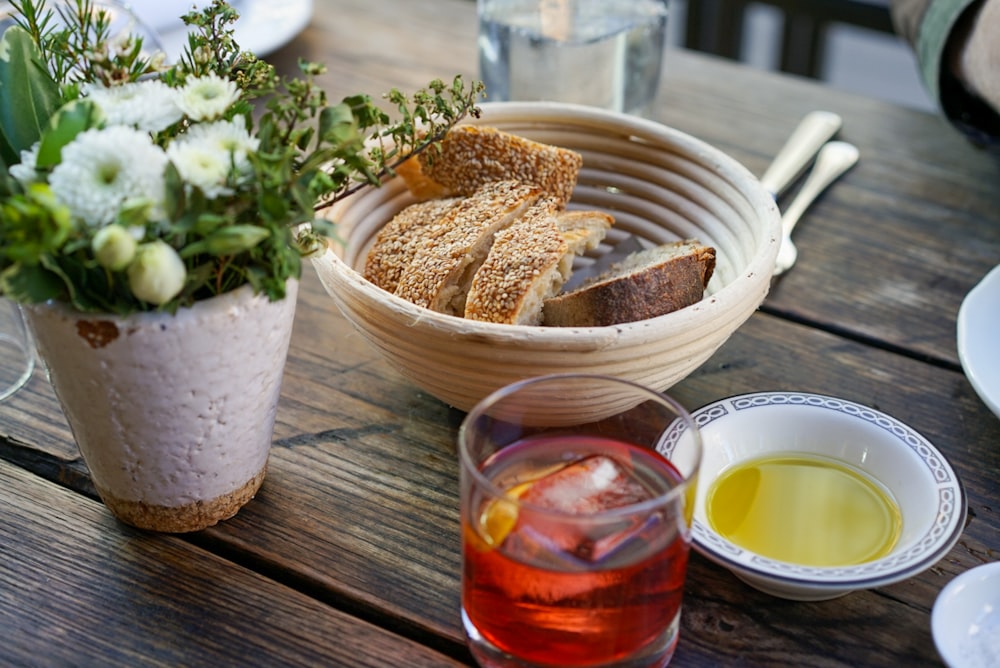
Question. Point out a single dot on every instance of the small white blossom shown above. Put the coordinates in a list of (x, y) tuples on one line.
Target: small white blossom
[(25, 171), (114, 247), (207, 98), (210, 153), (149, 105), (157, 273), (102, 169)]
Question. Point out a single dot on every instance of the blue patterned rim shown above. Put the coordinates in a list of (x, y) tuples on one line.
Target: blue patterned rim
[(923, 553)]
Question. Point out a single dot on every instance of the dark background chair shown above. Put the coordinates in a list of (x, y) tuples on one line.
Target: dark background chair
[(717, 26)]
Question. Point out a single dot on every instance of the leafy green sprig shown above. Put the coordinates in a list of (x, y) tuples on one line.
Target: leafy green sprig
[(255, 229)]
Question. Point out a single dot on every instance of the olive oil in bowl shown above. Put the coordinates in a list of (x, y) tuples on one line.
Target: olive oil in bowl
[(804, 509)]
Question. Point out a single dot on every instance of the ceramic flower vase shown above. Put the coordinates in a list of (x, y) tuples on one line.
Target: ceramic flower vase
[(173, 414)]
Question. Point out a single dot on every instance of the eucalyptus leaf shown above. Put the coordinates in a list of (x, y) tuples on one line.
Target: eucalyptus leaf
[(28, 94)]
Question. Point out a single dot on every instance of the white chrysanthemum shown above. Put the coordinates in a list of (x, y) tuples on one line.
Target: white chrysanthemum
[(209, 153), (101, 169), (202, 165), (207, 98), (157, 273), (25, 171), (148, 105)]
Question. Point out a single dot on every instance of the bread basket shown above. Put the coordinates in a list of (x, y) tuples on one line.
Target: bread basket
[(659, 183)]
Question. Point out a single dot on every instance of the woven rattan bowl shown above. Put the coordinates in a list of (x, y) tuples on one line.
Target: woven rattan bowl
[(660, 184)]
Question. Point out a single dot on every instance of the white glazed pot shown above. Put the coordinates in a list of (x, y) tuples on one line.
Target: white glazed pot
[(173, 414)]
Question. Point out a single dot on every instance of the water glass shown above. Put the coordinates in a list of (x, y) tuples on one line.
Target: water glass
[(577, 495), (603, 53)]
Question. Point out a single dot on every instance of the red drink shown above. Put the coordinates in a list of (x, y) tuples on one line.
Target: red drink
[(550, 582)]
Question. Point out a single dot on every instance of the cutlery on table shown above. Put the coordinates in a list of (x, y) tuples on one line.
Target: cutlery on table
[(835, 158), (815, 129)]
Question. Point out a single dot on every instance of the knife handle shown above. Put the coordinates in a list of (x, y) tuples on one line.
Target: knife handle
[(814, 130)]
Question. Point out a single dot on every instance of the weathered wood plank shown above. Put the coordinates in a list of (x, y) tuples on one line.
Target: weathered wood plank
[(76, 588)]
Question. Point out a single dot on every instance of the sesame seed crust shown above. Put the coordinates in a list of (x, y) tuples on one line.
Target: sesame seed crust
[(398, 241), (442, 267), (471, 156), (521, 270)]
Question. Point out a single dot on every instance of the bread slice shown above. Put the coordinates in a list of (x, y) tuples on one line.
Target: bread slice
[(521, 270), (646, 284), (470, 156), (443, 265), (582, 231), (398, 241)]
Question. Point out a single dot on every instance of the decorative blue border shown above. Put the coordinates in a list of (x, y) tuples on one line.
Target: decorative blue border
[(933, 545)]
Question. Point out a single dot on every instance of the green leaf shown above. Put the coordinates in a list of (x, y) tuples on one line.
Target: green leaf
[(228, 241), (63, 127), (28, 94), (30, 284)]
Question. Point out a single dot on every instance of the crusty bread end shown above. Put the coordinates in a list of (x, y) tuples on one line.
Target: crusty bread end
[(470, 156), (646, 284)]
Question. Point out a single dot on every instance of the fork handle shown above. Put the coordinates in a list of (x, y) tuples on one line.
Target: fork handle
[(834, 159), (815, 129)]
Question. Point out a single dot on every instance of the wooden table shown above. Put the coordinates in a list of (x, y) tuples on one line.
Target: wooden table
[(350, 553)]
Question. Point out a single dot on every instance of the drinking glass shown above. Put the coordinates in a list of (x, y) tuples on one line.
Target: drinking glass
[(577, 494), (17, 349), (603, 53)]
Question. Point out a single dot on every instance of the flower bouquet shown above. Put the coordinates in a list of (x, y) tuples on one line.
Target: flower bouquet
[(153, 221)]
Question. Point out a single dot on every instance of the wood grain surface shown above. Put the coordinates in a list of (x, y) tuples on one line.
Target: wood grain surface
[(349, 554)]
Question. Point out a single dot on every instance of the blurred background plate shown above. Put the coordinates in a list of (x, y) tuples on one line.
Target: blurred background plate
[(979, 338), (264, 25)]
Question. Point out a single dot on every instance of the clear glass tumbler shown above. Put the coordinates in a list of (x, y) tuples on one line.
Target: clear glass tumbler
[(17, 349), (577, 493), (602, 53)]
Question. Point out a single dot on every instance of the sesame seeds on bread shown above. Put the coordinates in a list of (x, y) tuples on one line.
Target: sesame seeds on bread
[(521, 270), (398, 241), (470, 156), (646, 284), (441, 271)]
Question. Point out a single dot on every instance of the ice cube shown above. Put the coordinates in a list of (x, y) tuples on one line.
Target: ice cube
[(586, 487), (583, 489)]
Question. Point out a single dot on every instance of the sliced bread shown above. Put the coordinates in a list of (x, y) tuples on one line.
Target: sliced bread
[(646, 284), (398, 241), (521, 270), (444, 263), (470, 156), (582, 231)]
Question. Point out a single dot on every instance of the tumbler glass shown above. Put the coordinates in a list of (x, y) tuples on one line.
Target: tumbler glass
[(17, 349), (603, 53), (577, 495)]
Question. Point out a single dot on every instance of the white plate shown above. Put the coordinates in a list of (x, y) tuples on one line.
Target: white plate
[(979, 338), (965, 621), (263, 26)]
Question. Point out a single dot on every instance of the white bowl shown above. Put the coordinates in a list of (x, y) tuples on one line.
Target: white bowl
[(660, 184), (929, 494), (965, 621), (978, 322)]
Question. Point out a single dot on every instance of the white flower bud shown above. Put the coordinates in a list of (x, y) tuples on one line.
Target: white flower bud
[(157, 273), (114, 247)]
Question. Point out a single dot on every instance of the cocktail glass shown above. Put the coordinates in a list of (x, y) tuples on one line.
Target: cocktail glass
[(577, 494)]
